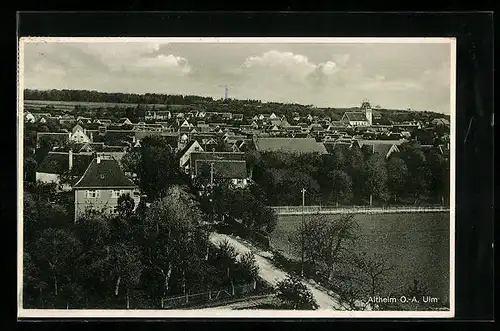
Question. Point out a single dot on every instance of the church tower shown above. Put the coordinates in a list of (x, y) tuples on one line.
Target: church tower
[(368, 111)]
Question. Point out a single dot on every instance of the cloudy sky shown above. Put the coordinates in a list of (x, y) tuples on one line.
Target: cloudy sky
[(391, 75)]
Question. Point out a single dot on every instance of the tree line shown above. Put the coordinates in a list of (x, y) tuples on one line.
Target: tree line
[(353, 176), (95, 96), (200, 103), (130, 259)]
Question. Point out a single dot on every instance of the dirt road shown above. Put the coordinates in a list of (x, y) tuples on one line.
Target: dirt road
[(271, 274)]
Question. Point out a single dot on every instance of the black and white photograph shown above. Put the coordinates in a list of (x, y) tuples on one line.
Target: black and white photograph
[(236, 177)]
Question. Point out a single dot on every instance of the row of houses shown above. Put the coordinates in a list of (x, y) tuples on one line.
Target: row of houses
[(98, 180)]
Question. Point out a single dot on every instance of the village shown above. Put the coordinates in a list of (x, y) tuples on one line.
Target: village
[(220, 139), (246, 174)]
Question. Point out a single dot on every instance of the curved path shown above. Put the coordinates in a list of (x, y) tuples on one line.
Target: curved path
[(271, 274)]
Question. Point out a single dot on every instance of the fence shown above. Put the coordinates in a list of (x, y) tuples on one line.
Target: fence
[(209, 296), (292, 210)]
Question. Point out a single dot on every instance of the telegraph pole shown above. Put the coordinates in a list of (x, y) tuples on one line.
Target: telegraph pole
[(303, 230), (212, 188), (209, 227)]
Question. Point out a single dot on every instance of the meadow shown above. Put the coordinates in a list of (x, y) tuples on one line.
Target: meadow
[(417, 245), (71, 104)]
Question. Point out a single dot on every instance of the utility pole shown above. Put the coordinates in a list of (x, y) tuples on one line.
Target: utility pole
[(212, 188), (212, 176), (209, 227), (303, 231)]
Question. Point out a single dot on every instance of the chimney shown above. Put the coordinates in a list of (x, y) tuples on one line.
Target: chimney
[(70, 159)]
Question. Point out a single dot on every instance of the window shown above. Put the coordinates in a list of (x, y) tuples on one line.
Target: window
[(93, 194), (116, 193)]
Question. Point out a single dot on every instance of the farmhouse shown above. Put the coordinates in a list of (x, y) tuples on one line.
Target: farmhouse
[(157, 115), (185, 154), (78, 135), (100, 187), (233, 170)]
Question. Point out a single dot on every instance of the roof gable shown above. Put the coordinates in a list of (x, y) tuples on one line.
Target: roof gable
[(355, 116), (106, 173), (58, 163)]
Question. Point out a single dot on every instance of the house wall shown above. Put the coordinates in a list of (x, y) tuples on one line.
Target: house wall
[(185, 158), (47, 178), (359, 123), (79, 137), (105, 201), (240, 182)]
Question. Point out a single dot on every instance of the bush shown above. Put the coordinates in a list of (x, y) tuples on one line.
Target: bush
[(295, 295)]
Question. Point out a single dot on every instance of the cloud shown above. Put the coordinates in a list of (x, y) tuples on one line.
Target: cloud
[(328, 68), (321, 74), (162, 64), (295, 67)]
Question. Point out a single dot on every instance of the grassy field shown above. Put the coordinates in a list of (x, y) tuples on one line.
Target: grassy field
[(72, 104), (417, 245)]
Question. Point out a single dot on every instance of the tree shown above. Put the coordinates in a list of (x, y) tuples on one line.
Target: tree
[(125, 206), (131, 161), (355, 161), (325, 241), (171, 227), (438, 179), (53, 215), (158, 167), (295, 295), (341, 186), (226, 257), (418, 173), (57, 249), (375, 175), (247, 268), (397, 176), (30, 165), (125, 267), (72, 294), (30, 217), (253, 159), (372, 269), (362, 276)]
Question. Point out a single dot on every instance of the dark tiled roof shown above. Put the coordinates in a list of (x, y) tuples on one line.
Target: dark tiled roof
[(227, 169), (77, 127), (290, 145), (380, 149), (382, 142), (356, 116), (215, 156), (107, 173), (59, 137), (331, 147), (58, 163), (188, 146)]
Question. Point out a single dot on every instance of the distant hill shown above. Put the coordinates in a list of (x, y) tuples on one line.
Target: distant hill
[(66, 99)]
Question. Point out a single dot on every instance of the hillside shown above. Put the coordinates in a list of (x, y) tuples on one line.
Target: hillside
[(71, 99)]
